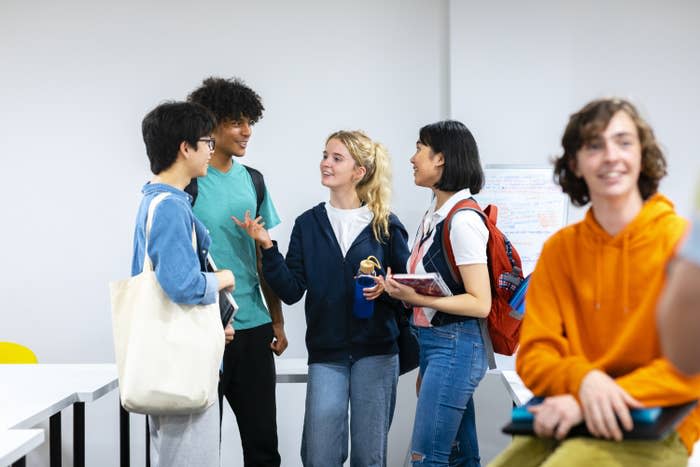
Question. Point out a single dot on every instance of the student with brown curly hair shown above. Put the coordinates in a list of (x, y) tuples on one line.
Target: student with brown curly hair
[(589, 343)]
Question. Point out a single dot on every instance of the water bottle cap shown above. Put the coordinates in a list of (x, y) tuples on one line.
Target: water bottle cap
[(367, 265)]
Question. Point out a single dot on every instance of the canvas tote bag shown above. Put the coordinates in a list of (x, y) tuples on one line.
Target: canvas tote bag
[(168, 355)]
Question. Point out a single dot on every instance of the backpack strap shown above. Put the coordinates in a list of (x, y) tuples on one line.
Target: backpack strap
[(192, 189), (259, 185), (489, 216), (472, 205), (465, 204)]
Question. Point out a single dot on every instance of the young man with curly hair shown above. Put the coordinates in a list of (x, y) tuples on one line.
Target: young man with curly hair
[(228, 189), (589, 344)]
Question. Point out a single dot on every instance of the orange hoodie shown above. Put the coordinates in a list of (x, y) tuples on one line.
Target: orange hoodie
[(591, 305)]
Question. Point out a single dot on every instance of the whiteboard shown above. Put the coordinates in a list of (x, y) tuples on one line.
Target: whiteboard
[(531, 207)]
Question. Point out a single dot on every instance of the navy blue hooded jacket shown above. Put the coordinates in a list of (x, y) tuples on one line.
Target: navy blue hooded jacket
[(315, 265)]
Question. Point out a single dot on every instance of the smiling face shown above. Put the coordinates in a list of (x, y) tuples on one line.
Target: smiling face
[(197, 158), (338, 167), (232, 136), (610, 163), (427, 166), (201, 157)]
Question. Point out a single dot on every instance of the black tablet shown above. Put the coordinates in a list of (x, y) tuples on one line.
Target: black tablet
[(667, 420)]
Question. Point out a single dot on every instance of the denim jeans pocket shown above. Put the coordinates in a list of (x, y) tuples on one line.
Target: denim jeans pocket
[(470, 328), (444, 332)]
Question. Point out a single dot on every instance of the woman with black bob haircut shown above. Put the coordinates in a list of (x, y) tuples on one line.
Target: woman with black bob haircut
[(457, 145), (453, 359)]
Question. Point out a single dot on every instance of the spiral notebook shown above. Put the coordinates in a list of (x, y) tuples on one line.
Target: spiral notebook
[(429, 283)]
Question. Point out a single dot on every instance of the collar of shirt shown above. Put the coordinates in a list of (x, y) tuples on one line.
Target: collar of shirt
[(433, 217)]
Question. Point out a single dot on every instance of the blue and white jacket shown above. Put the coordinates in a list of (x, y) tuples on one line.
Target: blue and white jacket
[(178, 267)]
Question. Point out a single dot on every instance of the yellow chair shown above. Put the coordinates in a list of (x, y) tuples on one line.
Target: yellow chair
[(16, 353)]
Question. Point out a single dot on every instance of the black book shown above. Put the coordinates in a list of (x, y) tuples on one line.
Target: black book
[(227, 305), (666, 420)]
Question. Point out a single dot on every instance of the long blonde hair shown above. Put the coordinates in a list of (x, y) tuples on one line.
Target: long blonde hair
[(375, 187)]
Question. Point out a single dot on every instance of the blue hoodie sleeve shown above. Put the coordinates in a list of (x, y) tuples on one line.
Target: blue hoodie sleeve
[(176, 263), (286, 276)]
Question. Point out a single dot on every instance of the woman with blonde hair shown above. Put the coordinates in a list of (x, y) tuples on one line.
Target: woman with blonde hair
[(352, 360)]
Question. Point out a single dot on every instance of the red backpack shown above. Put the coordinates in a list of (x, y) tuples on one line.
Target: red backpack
[(505, 273)]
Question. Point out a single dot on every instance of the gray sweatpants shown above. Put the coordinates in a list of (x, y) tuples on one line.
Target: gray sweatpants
[(186, 440)]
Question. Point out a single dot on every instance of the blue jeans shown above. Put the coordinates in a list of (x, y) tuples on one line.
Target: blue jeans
[(369, 386), (452, 363)]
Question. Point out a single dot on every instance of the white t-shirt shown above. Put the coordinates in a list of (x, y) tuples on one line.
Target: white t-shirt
[(468, 236), (348, 223)]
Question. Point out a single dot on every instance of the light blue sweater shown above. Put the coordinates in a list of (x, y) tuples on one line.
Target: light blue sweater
[(179, 268)]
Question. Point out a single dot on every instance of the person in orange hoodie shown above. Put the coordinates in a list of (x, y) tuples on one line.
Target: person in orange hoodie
[(589, 342)]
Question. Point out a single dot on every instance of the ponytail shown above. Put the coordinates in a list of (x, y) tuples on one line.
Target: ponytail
[(375, 187)]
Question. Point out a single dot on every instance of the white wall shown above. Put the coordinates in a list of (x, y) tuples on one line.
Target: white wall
[(519, 69), (77, 77)]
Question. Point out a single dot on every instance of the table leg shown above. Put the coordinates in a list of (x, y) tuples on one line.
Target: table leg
[(148, 443), (79, 434), (124, 459), (55, 440)]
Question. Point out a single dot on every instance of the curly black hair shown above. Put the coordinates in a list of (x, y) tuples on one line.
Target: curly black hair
[(228, 99)]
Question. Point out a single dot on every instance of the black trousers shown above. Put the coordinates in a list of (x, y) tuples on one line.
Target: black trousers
[(248, 383)]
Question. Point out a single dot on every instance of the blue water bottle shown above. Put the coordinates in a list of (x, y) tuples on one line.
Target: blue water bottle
[(363, 308)]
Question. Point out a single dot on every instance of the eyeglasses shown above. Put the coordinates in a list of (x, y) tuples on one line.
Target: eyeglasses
[(211, 142)]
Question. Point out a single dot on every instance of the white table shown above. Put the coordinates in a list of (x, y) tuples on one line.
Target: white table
[(30, 394), (292, 370), (515, 386), (15, 444)]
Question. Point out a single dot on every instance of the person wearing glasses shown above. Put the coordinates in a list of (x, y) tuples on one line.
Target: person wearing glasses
[(179, 145), (589, 343), (228, 189)]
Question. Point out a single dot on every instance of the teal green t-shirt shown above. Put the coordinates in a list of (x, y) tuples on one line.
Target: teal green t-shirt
[(222, 195)]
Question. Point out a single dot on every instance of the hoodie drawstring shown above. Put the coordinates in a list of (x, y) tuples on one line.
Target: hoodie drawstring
[(625, 272), (598, 271)]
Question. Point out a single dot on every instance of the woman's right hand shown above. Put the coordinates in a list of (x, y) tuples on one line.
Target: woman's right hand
[(226, 279), (255, 228), (398, 291)]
